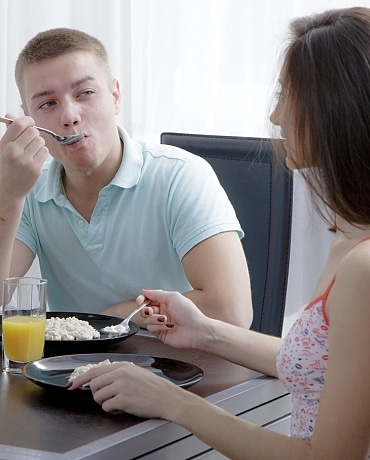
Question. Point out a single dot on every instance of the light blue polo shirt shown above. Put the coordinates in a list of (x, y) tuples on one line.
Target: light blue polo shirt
[(160, 204)]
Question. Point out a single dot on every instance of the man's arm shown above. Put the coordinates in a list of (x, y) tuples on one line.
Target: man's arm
[(218, 272), (10, 215), (15, 257), (22, 154)]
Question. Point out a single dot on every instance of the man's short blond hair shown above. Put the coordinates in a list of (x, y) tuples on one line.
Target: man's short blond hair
[(55, 42)]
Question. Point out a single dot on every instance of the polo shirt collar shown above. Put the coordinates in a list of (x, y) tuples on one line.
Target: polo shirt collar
[(127, 176), (129, 172)]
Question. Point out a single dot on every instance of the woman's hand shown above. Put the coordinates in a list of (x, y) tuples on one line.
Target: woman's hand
[(118, 387), (174, 319), (125, 387)]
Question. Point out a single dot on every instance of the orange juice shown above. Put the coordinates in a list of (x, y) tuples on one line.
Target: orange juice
[(24, 338)]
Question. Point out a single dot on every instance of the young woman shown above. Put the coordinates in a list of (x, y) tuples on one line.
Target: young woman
[(324, 115)]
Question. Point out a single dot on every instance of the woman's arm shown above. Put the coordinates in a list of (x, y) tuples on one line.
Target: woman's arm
[(190, 328), (343, 425), (125, 387)]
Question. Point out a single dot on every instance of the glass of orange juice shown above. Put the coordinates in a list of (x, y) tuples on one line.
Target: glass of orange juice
[(23, 321)]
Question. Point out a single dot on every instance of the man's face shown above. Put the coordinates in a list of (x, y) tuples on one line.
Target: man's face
[(71, 94)]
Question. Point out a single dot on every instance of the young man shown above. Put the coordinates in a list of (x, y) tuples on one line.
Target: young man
[(109, 215)]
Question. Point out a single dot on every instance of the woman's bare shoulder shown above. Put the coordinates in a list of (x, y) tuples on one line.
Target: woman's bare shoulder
[(351, 290)]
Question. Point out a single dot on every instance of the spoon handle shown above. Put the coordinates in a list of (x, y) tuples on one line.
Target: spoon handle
[(44, 130), (140, 307), (60, 139), (5, 120)]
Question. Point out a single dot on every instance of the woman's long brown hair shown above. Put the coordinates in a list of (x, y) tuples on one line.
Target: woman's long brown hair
[(326, 78)]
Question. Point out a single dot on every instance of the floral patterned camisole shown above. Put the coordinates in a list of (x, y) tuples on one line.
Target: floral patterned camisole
[(302, 363)]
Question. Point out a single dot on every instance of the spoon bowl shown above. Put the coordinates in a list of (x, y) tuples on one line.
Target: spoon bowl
[(124, 326)]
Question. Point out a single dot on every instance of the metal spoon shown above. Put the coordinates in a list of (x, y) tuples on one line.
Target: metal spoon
[(60, 139), (123, 327)]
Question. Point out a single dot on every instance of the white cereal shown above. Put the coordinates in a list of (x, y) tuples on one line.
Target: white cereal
[(82, 369), (69, 328)]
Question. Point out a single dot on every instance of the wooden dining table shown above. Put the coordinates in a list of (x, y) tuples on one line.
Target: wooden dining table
[(47, 423)]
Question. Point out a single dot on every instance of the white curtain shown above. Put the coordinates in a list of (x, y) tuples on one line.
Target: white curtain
[(201, 66)]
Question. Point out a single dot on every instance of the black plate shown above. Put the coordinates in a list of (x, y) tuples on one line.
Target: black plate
[(59, 347), (53, 373)]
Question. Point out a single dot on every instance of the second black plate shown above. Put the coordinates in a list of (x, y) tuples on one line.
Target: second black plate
[(54, 372)]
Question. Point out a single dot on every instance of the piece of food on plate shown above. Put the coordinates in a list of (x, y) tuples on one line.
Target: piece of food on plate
[(70, 328), (82, 369)]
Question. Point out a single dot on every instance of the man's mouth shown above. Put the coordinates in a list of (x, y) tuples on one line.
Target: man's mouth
[(75, 140)]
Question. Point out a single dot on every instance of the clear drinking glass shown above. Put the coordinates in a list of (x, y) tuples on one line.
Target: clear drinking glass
[(23, 321)]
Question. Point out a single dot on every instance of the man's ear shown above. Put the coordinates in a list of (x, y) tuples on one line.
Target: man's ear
[(116, 93)]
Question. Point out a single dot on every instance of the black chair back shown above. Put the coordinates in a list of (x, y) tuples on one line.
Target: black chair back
[(260, 189)]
